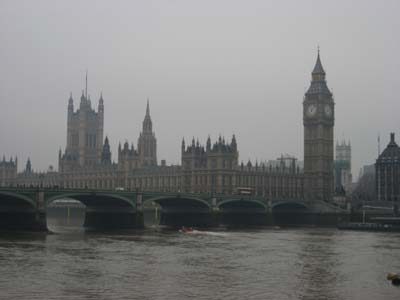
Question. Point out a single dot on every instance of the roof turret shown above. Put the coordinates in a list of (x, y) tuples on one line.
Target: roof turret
[(318, 82), (392, 151)]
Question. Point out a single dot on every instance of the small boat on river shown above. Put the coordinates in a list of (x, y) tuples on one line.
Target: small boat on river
[(185, 229)]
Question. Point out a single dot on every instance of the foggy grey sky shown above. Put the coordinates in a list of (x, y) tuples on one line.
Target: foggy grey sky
[(208, 67)]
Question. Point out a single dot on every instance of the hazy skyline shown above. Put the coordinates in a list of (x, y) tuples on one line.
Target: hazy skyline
[(208, 68)]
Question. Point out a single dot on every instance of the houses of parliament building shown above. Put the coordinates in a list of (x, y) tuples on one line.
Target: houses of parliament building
[(210, 168)]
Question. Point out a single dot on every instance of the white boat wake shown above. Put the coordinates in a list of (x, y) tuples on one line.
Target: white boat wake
[(200, 232)]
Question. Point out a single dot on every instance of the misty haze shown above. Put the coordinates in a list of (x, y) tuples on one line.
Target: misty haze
[(199, 149)]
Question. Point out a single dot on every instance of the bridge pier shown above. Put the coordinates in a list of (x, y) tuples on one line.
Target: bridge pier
[(23, 220), (25, 209)]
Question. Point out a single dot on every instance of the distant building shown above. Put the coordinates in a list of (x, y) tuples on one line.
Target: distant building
[(8, 171), (285, 159), (387, 168), (366, 170), (343, 175), (30, 178)]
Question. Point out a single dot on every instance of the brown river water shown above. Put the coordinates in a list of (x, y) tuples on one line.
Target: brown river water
[(155, 263)]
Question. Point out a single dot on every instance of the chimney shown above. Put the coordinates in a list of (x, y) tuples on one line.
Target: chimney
[(392, 137)]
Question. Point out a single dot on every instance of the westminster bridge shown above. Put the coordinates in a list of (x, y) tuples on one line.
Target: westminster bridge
[(26, 208)]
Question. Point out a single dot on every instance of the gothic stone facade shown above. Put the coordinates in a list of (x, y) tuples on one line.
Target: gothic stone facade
[(318, 120), (213, 168), (8, 171), (84, 135)]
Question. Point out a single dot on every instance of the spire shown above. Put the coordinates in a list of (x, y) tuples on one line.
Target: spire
[(70, 105), (83, 99), (106, 153), (318, 82), (101, 101), (28, 166), (147, 124), (208, 146), (318, 69), (233, 142)]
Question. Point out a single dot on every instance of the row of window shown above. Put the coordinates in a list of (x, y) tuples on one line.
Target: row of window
[(90, 140), (145, 182)]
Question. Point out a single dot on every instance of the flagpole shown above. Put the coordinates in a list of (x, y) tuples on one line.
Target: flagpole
[(86, 83)]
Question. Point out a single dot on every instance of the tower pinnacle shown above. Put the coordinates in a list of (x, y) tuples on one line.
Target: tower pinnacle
[(318, 112), (147, 144), (318, 69), (318, 82)]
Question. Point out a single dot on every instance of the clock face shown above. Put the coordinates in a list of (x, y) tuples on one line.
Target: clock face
[(328, 110), (311, 110)]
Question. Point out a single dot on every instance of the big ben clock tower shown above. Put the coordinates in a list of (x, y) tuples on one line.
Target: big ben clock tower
[(318, 120)]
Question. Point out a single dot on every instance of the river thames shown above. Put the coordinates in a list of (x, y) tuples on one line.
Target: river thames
[(268, 263)]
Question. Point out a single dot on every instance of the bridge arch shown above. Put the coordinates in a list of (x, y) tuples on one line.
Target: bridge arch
[(16, 200), (252, 204), (243, 212), (20, 212), (183, 210), (289, 206), (104, 210), (184, 202), (95, 199)]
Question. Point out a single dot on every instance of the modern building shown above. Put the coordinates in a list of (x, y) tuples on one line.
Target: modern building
[(387, 170)]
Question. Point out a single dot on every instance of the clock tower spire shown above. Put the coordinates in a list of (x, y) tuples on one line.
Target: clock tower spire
[(318, 120)]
